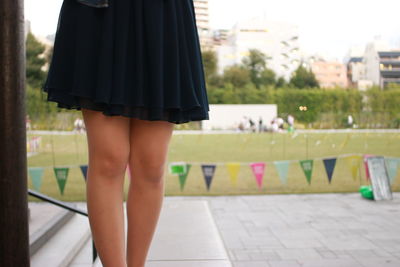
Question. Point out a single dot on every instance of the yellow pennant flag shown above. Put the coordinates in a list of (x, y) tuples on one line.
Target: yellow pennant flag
[(233, 170), (354, 164)]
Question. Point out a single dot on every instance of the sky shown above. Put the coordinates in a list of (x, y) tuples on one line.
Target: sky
[(326, 27)]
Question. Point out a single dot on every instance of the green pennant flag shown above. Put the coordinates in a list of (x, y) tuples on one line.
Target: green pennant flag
[(283, 169), (307, 166), (177, 167), (183, 176), (36, 174), (61, 176)]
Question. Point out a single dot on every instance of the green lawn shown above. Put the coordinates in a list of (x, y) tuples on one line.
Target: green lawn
[(71, 150)]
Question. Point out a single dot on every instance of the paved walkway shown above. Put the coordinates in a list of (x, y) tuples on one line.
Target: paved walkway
[(319, 230), (307, 230)]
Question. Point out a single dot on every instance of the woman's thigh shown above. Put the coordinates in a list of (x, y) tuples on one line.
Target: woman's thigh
[(108, 142), (149, 142)]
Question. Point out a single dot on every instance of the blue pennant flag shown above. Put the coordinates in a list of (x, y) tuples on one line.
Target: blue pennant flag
[(208, 172), (84, 171), (329, 167)]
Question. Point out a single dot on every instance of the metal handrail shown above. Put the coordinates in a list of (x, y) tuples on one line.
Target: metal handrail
[(65, 206)]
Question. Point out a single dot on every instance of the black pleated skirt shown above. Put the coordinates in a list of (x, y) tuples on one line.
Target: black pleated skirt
[(135, 58)]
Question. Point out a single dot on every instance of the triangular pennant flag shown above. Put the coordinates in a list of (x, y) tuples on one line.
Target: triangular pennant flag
[(183, 176), (177, 167), (283, 168), (61, 176), (36, 174), (353, 162), (258, 171), (366, 156), (329, 167), (307, 166), (84, 169), (392, 165), (233, 170), (208, 172)]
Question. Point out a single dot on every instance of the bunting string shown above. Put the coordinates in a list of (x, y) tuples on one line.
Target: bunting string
[(181, 168)]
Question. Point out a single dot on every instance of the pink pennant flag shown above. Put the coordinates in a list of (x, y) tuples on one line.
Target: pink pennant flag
[(366, 164), (258, 170)]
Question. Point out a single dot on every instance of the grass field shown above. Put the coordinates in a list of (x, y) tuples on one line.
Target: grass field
[(71, 150)]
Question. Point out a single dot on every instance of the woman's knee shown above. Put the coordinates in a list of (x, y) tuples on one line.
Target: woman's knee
[(108, 143), (111, 164), (149, 168), (149, 146)]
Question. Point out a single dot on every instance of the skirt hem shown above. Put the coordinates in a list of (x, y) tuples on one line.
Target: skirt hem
[(173, 114)]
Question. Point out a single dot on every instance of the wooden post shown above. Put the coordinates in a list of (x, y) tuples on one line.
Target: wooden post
[(14, 231)]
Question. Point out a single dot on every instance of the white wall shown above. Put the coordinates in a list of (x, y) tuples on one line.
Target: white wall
[(371, 59), (278, 40), (228, 116)]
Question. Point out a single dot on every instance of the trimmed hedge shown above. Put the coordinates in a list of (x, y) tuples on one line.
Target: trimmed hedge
[(326, 108)]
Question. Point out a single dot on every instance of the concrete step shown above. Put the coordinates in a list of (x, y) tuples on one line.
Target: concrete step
[(44, 221), (63, 246), (186, 236), (84, 257)]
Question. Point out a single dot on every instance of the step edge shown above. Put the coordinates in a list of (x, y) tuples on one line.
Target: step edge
[(41, 236), (76, 249), (82, 237)]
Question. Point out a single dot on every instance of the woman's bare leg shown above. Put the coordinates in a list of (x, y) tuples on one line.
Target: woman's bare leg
[(149, 142), (108, 143)]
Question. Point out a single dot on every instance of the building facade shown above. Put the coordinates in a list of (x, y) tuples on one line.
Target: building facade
[(203, 23), (330, 74), (379, 66), (279, 41), (355, 71), (389, 67)]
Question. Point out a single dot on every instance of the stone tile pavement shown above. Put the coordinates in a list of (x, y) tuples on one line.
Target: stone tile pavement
[(291, 230), (320, 230)]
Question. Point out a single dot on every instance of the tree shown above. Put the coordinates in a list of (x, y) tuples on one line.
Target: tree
[(49, 54), (268, 77), (210, 63), (280, 82), (256, 64), (34, 62), (391, 85), (237, 75), (303, 78)]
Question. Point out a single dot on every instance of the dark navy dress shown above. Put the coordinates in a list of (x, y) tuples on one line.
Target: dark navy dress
[(135, 58)]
